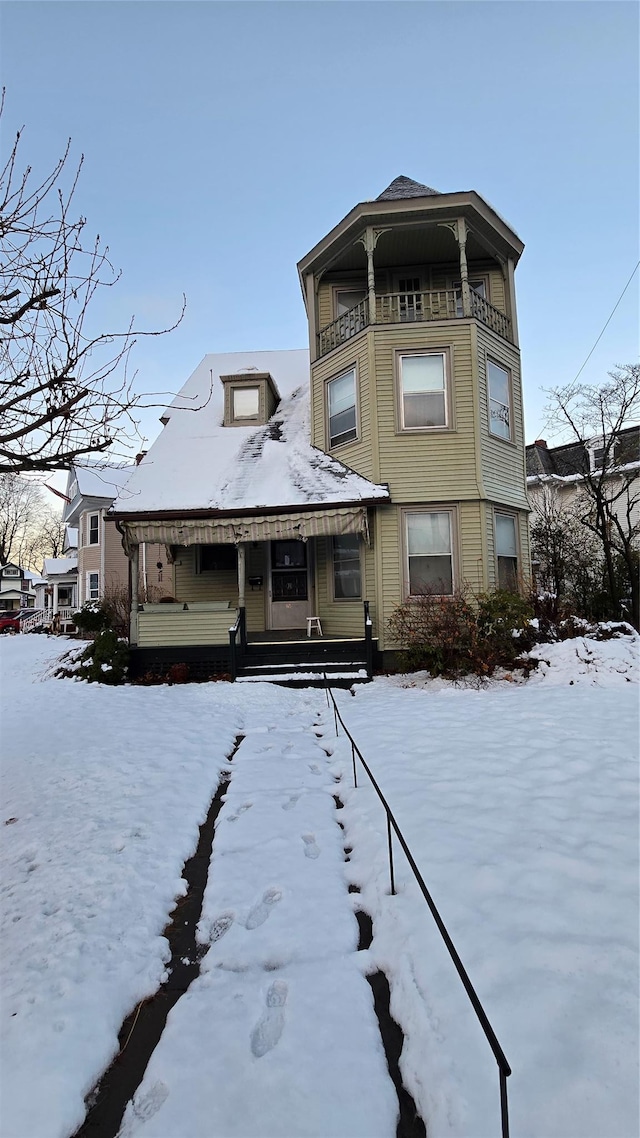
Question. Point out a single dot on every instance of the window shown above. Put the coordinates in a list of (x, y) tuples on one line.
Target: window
[(289, 578), (94, 532), (604, 454), (341, 395), (11, 571), (499, 382), (423, 391), (507, 552), (93, 586), (216, 557), (347, 582), (246, 402), (346, 299), (479, 286), (429, 552)]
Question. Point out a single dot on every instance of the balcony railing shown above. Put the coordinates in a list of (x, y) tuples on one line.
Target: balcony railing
[(410, 308)]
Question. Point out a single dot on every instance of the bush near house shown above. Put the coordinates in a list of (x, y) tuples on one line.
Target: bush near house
[(105, 659), (465, 633)]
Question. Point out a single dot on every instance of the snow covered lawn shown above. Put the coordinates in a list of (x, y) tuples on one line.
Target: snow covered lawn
[(519, 803)]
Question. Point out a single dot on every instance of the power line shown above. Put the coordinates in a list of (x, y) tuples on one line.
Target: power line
[(607, 323)]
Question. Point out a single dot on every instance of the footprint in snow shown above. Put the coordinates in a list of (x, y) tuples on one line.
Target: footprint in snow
[(314, 768), (220, 926), (241, 810), (146, 1105), (260, 911), (269, 1027), (290, 803), (311, 849)]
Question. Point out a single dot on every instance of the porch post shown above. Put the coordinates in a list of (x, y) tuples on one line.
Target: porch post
[(134, 564), (369, 246), (242, 567), (55, 598), (461, 228)]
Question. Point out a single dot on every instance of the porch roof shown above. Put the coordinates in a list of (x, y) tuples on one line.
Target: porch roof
[(296, 525)]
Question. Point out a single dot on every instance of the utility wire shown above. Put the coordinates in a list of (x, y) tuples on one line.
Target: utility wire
[(607, 324)]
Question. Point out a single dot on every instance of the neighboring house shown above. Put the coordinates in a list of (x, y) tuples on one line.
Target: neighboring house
[(61, 593), (16, 588), (386, 463), (560, 472), (101, 561)]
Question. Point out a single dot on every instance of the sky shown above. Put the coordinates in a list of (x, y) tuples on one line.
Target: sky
[(221, 141)]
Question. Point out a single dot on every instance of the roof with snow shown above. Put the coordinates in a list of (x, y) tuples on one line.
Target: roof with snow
[(199, 464), (402, 187), (56, 565), (571, 459), (95, 480)]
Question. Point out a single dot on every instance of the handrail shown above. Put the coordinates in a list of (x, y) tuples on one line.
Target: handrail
[(503, 1066)]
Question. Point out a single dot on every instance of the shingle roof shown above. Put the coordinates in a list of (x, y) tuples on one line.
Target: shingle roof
[(571, 459), (402, 187)]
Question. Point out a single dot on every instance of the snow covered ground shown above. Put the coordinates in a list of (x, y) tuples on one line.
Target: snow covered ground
[(520, 806)]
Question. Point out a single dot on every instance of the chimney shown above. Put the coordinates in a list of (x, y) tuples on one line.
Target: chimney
[(139, 457), (541, 443)]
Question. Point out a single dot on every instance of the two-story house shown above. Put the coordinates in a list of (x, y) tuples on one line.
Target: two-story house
[(101, 562), (16, 588), (387, 462)]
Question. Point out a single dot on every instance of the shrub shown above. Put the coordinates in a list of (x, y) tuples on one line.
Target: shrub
[(92, 617), (104, 660), (463, 634)]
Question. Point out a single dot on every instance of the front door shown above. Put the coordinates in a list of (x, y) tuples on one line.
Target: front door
[(289, 585)]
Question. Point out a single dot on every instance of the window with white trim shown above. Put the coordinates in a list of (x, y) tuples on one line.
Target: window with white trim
[(499, 384), (11, 571), (507, 551), (93, 586), (423, 391), (347, 576), (341, 400), (348, 298), (94, 529), (429, 552)]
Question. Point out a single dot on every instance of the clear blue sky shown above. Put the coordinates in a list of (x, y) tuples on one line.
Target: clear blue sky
[(222, 140)]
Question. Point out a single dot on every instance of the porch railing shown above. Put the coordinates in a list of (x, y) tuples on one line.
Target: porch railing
[(504, 1070), (409, 308)]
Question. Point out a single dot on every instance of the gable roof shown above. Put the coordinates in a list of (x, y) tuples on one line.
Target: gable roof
[(199, 464), (402, 187)]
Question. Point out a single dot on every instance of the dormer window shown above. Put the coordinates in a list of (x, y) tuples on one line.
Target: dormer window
[(246, 402), (250, 398), (602, 454)]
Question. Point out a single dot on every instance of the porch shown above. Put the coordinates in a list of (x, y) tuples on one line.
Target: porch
[(412, 307), (212, 639)]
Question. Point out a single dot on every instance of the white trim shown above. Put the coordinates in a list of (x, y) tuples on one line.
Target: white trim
[(356, 395), (431, 509)]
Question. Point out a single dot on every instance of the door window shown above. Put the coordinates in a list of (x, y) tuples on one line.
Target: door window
[(289, 571)]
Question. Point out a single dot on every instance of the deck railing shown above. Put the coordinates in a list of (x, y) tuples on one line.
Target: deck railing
[(410, 308), (504, 1070)]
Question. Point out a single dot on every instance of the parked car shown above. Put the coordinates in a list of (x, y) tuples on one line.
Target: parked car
[(10, 622)]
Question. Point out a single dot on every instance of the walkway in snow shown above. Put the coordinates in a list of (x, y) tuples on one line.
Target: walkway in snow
[(278, 1036)]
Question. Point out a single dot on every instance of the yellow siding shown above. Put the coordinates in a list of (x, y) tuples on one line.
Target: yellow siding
[(427, 465), (166, 628), (222, 585), (358, 454), (343, 618), (502, 461)]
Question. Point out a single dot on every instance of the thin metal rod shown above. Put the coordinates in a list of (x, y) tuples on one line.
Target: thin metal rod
[(390, 840), (353, 760), (504, 1105)]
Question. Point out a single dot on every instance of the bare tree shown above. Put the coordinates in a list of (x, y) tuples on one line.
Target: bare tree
[(21, 504), (607, 463), (65, 391), (568, 556)]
